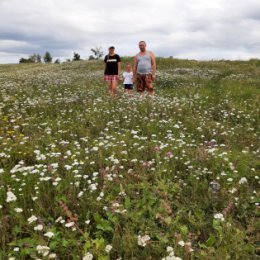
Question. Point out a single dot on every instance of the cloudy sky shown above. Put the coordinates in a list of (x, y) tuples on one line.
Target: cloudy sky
[(193, 29)]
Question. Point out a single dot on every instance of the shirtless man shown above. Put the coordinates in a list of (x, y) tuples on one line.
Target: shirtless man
[(144, 70)]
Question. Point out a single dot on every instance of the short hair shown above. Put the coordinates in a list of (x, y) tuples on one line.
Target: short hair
[(143, 42)]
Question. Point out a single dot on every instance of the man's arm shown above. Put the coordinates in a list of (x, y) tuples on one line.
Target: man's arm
[(135, 66), (153, 65)]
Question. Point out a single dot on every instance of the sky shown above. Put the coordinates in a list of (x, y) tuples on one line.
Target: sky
[(189, 29)]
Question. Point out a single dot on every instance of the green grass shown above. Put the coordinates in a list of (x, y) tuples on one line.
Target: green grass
[(124, 168)]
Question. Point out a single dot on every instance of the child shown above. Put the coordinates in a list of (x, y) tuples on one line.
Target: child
[(128, 79)]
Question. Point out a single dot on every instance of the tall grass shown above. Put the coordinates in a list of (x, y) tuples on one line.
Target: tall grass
[(85, 176)]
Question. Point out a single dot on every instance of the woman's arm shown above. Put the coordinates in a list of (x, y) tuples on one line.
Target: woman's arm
[(105, 64), (119, 67)]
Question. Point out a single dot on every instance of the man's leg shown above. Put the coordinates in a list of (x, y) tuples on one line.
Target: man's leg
[(149, 85), (140, 84)]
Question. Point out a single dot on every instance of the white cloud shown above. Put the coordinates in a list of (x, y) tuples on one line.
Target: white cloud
[(189, 29)]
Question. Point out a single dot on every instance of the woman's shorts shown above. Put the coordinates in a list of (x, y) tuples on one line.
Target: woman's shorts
[(128, 86), (111, 77)]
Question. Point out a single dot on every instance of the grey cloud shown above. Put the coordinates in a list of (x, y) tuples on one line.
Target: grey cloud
[(190, 29)]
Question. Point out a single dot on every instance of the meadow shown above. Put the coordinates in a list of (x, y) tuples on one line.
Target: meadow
[(84, 176)]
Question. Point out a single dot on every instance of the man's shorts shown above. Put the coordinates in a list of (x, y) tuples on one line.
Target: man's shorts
[(110, 77), (144, 82)]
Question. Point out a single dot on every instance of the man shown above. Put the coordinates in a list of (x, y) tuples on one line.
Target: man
[(144, 70)]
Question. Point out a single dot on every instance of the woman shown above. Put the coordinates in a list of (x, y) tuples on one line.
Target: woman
[(112, 70)]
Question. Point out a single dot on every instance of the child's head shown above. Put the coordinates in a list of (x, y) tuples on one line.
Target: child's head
[(128, 67)]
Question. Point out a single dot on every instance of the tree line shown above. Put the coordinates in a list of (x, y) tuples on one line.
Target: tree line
[(47, 57)]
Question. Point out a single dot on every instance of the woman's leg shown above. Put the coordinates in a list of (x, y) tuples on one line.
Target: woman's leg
[(114, 87), (109, 84)]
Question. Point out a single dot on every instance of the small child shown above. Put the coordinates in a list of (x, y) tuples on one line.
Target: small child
[(128, 79)]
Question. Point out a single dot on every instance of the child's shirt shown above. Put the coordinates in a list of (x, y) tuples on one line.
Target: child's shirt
[(128, 77)]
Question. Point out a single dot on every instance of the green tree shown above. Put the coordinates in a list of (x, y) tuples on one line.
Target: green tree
[(36, 58), (91, 57), (76, 56), (24, 60), (97, 52), (57, 61), (47, 57), (32, 59)]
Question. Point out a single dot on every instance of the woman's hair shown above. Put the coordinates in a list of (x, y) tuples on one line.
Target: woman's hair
[(110, 48)]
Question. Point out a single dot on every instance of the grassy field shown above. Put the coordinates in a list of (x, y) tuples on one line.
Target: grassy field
[(86, 176)]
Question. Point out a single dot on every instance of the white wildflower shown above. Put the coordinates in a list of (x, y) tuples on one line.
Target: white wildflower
[(219, 216), (10, 197), (70, 224), (43, 250), (49, 234), (32, 219), (38, 227), (169, 249), (181, 243), (233, 190), (80, 194), (243, 180), (93, 186), (88, 256), (108, 248), (18, 210), (171, 255), (143, 239), (52, 256), (59, 219)]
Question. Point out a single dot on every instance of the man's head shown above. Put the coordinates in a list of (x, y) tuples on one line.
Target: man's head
[(142, 46)]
